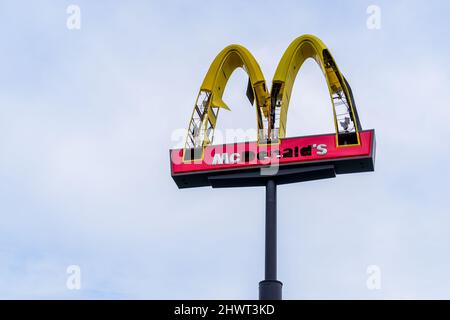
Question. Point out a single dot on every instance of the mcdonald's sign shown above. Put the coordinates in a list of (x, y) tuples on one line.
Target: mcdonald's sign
[(350, 149)]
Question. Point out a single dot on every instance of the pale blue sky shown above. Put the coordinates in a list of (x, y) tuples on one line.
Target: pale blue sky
[(86, 119)]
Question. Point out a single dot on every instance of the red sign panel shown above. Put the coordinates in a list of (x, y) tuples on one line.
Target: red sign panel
[(298, 150)]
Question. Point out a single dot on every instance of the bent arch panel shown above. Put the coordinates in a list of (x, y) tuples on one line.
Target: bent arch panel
[(209, 101), (308, 46), (226, 62)]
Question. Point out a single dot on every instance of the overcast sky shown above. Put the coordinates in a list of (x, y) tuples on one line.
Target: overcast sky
[(87, 118)]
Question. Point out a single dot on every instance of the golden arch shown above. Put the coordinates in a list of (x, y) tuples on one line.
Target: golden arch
[(345, 115), (271, 108), (209, 101)]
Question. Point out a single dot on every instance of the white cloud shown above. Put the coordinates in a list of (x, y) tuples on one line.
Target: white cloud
[(85, 174)]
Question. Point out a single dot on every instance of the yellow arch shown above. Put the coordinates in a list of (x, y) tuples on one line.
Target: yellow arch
[(302, 48), (209, 101), (225, 63)]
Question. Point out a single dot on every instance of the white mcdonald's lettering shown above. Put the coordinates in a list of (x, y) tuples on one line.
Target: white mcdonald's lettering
[(322, 149), (224, 158), (235, 158), (247, 156)]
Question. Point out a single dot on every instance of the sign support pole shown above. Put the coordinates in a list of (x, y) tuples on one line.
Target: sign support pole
[(270, 287)]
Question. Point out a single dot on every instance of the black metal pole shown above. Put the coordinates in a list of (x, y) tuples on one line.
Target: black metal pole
[(270, 287)]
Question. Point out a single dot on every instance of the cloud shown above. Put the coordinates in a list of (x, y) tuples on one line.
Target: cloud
[(85, 126)]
